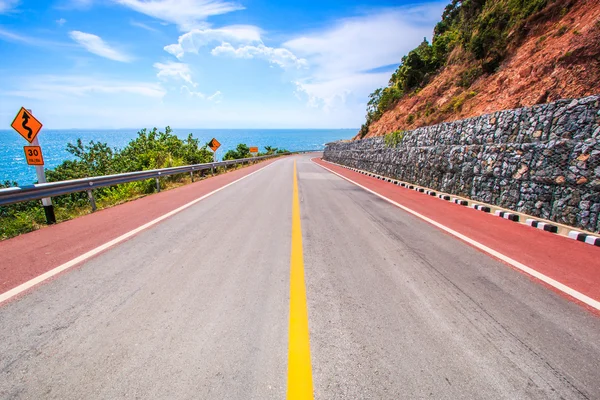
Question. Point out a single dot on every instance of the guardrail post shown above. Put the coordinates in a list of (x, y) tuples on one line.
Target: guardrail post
[(192, 176), (91, 199), (46, 201), (157, 184)]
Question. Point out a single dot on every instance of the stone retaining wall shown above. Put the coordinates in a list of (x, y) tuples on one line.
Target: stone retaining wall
[(542, 160)]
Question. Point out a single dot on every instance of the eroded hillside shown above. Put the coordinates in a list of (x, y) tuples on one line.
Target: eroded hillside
[(484, 59)]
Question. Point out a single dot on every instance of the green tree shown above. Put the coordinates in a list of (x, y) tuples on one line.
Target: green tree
[(241, 151)]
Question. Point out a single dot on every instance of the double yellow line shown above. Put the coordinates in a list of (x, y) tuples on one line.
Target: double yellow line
[(299, 385)]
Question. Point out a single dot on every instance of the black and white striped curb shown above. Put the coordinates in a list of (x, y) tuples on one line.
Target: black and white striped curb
[(584, 237), (545, 226), (507, 215), (460, 202), (479, 207), (542, 225)]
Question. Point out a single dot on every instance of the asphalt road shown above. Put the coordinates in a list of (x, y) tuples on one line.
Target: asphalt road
[(196, 307)]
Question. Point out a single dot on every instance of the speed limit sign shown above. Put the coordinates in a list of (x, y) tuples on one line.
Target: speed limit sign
[(33, 155)]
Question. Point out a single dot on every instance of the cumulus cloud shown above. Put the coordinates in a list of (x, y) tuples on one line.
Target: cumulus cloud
[(240, 41), (61, 21), (94, 44), (195, 39), (343, 58), (282, 57), (174, 70), (186, 14)]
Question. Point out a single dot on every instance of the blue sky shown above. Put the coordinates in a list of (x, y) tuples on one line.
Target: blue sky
[(202, 63)]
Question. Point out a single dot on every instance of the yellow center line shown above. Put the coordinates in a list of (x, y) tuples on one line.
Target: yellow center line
[(299, 385)]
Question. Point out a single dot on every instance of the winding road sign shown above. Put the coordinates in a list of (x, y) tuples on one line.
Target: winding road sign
[(214, 144), (26, 125)]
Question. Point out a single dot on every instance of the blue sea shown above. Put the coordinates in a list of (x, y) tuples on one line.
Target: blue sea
[(13, 166)]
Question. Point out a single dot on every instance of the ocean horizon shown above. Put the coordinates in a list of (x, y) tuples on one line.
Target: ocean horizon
[(13, 166)]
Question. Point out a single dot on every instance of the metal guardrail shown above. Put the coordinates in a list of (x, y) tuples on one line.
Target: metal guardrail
[(52, 189)]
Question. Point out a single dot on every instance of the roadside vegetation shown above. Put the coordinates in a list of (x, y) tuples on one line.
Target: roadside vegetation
[(479, 32), (152, 149), (243, 151)]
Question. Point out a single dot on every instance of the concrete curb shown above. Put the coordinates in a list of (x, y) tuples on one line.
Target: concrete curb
[(507, 215), (542, 225), (479, 207), (584, 237)]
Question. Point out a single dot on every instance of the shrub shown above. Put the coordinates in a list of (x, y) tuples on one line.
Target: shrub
[(394, 139), (241, 151), (149, 150), (469, 76)]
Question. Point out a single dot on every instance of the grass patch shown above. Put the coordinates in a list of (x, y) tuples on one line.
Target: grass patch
[(561, 30), (456, 103)]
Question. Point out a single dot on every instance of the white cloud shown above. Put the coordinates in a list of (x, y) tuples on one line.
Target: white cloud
[(191, 93), (143, 26), (282, 57), (7, 6), (14, 37), (94, 44), (334, 92), (30, 40), (363, 43), (186, 14), (216, 97), (50, 87), (343, 57), (248, 38), (61, 21), (195, 39), (174, 70)]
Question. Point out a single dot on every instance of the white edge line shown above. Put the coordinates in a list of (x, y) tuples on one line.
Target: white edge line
[(49, 274), (546, 279)]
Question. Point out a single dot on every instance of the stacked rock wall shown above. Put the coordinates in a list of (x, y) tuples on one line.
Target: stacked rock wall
[(542, 160)]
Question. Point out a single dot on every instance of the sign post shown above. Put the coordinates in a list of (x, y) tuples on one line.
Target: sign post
[(29, 127), (214, 145), (254, 152)]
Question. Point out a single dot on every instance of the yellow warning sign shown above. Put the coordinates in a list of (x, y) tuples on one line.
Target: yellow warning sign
[(214, 144), (33, 155), (26, 124), (253, 149)]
